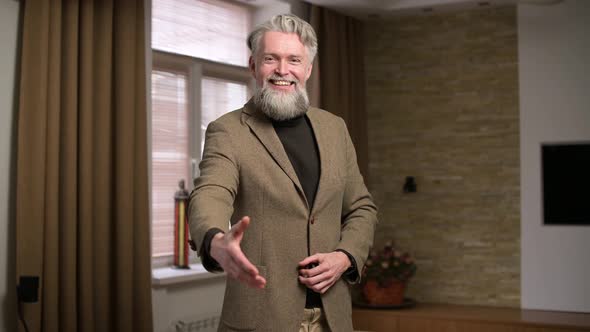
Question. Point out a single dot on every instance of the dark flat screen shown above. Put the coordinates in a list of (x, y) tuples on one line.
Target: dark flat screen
[(566, 184)]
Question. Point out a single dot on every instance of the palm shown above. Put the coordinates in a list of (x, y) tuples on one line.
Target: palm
[(226, 249)]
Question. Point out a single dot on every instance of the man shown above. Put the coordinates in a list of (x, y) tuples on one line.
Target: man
[(286, 176)]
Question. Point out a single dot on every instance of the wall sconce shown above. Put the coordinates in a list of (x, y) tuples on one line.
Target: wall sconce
[(410, 185)]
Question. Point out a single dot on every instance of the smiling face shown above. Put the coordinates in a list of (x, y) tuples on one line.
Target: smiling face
[(282, 62), (281, 68)]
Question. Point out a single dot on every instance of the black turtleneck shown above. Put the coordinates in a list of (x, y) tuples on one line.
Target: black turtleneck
[(301, 148)]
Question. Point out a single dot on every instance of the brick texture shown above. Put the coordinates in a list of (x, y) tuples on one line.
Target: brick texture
[(442, 103)]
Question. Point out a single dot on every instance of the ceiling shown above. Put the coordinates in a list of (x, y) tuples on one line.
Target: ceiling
[(375, 9)]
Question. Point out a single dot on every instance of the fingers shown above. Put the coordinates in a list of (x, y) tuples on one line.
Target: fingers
[(319, 284), (310, 260), (233, 244), (312, 266), (244, 271), (317, 270), (312, 282), (238, 229), (322, 287), (320, 278), (256, 281), (241, 262), (226, 250)]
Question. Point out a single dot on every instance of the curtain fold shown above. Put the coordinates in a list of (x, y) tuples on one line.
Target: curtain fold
[(341, 76), (82, 215), (313, 83)]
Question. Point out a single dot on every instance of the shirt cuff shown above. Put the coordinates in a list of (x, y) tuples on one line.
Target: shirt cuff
[(351, 273), (209, 263)]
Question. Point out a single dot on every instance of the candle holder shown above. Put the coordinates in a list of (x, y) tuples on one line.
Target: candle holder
[(181, 239)]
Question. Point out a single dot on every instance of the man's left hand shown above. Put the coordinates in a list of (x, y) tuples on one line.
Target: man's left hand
[(328, 269)]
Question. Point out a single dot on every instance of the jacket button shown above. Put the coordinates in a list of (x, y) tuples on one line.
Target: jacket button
[(312, 220)]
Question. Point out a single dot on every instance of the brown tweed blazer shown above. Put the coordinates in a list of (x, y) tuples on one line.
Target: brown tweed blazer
[(246, 172)]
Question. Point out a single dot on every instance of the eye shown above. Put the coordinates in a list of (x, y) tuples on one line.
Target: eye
[(268, 58), (296, 60)]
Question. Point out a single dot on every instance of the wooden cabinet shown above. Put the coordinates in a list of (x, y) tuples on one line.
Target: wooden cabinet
[(457, 318)]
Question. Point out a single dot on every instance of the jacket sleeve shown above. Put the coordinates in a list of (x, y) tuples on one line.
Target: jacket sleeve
[(359, 213), (211, 201)]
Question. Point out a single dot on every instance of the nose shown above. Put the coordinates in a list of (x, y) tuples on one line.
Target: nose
[(282, 68)]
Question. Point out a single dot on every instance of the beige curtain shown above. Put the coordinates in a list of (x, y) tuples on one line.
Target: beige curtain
[(82, 222), (341, 74)]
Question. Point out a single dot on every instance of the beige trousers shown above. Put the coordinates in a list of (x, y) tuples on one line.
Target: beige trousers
[(314, 321)]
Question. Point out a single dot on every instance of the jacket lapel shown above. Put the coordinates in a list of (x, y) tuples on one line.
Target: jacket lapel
[(265, 132), (321, 135)]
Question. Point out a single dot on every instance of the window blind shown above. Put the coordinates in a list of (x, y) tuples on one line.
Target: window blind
[(170, 153), (219, 96), (207, 29)]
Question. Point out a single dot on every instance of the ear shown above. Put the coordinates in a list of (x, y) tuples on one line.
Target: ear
[(252, 66)]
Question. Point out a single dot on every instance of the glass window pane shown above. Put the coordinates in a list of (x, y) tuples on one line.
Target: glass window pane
[(170, 153), (220, 96)]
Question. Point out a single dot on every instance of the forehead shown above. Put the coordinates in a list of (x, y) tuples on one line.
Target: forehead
[(282, 43)]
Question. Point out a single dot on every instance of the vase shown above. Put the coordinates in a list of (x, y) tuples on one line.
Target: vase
[(390, 292)]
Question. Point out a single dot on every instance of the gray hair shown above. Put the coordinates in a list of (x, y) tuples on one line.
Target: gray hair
[(287, 23)]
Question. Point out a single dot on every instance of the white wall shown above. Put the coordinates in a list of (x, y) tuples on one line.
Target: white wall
[(554, 73), (9, 13), (187, 301)]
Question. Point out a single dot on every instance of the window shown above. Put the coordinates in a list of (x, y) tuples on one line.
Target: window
[(206, 29), (219, 95), (199, 73), (170, 151)]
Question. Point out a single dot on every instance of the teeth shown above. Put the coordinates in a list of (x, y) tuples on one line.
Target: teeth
[(284, 83)]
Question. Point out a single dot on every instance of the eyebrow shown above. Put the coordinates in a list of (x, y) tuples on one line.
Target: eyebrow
[(290, 56)]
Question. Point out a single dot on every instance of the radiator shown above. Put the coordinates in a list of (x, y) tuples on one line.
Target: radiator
[(206, 324)]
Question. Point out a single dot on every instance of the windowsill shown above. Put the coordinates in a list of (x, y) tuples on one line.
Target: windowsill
[(169, 275)]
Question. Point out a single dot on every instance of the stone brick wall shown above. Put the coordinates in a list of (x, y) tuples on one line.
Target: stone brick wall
[(442, 102)]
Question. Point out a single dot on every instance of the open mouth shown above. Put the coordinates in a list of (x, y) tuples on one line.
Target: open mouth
[(281, 82)]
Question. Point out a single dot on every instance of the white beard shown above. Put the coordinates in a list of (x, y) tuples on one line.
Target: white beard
[(281, 106)]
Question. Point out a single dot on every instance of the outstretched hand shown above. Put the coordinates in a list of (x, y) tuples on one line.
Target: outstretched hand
[(225, 249), (326, 271)]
